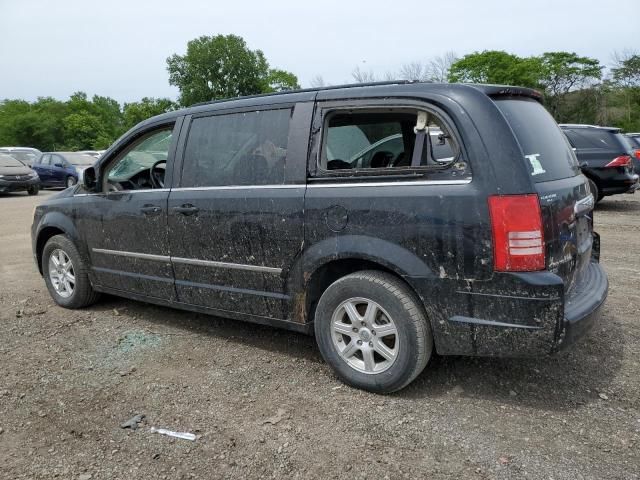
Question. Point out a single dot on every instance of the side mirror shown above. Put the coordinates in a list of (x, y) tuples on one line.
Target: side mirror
[(88, 179)]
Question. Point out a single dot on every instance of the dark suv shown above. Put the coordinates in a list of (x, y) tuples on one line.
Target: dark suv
[(605, 156), (393, 220)]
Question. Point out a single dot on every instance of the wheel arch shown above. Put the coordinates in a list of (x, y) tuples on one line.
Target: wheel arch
[(52, 224), (319, 267)]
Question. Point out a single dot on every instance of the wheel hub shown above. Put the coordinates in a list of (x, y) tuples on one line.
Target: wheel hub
[(364, 334)]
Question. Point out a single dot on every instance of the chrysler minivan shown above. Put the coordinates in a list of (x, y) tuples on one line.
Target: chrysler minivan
[(392, 220)]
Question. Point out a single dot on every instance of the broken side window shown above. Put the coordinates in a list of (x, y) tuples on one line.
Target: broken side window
[(385, 141)]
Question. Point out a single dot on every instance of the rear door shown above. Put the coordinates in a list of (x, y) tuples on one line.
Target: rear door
[(236, 220), (565, 200)]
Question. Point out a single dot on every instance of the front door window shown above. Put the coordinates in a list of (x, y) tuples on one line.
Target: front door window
[(143, 165)]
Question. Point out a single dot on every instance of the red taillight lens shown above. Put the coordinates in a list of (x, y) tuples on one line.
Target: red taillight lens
[(621, 161), (518, 239), (636, 154)]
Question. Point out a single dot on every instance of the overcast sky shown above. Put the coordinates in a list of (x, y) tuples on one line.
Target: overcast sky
[(118, 48)]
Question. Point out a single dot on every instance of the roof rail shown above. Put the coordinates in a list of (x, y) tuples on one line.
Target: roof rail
[(584, 125), (318, 89)]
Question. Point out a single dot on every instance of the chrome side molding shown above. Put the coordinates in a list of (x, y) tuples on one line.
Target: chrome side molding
[(190, 261)]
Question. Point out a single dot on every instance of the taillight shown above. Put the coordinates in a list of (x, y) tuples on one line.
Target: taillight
[(636, 153), (518, 239), (621, 161)]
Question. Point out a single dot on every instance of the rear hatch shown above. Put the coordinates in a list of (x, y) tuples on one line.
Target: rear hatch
[(565, 200)]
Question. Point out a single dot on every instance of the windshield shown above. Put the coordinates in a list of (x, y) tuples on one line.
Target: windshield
[(547, 152), (25, 156), (80, 159), (9, 161)]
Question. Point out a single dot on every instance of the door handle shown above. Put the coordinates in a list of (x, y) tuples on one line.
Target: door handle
[(186, 209), (150, 209)]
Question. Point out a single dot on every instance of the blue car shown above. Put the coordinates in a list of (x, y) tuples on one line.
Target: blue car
[(61, 169)]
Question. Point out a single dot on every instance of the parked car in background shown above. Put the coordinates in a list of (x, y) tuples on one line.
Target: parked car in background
[(26, 155), (62, 169), (262, 215), (15, 176), (634, 138), (604, 155)]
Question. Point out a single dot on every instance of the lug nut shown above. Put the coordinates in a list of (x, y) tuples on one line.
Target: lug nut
[(362, 323), (371, 344), (373, 332), (354, 329), (359, 342)]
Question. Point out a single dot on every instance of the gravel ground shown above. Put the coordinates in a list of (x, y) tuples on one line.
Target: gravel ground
[(263, 403)]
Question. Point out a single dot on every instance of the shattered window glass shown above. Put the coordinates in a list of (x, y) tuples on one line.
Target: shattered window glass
[(387, 140)]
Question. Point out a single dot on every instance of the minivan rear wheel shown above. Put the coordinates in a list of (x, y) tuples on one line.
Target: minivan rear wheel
[(71, 181), (66, 274), (372, 330)]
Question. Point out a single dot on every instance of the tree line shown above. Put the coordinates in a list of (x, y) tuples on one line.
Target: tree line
[(576, 89)]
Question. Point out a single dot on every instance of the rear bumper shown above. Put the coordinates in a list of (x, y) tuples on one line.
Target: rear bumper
[(583, 306), (17, 186), (514, 314)]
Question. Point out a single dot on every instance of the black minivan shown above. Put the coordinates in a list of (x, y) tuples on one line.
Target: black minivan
[(394, 220)]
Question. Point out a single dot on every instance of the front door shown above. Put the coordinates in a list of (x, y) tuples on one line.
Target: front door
[(236, 222), (126, 224), (57, 170)]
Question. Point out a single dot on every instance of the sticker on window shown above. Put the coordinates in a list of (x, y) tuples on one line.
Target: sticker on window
[(535, 164)]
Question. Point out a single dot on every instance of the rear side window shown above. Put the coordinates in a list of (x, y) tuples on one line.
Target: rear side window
[(547, 153), (247, 148), (381, 142)]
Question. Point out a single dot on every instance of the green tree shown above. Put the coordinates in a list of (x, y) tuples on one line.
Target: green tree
[(562, 72), (279, 81), (222, 67), (84, 131), (496, 67), (135, 112), (626, 77)]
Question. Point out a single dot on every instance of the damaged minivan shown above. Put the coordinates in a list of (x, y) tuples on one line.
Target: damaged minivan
[(392, 220)]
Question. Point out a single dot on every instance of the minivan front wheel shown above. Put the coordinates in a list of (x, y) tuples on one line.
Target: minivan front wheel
[(373, 332), (66, 274)]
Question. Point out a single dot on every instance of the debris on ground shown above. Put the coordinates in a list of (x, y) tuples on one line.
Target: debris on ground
[(133, 422), (277, 418), (183, 435)]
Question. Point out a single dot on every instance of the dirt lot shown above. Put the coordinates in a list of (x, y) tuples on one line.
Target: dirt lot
[(264, 404)]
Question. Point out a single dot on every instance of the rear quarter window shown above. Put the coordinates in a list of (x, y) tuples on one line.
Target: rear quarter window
[(547, 153)]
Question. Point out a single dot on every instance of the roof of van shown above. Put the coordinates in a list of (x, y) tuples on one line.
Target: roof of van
[(356, 90)]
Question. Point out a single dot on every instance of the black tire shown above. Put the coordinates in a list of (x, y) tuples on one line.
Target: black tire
[(83, 294), (70, 181), (595, 191), (33, 190), (412, 326)]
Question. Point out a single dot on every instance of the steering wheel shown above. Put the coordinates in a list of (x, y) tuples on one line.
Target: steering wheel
[(157, 177)]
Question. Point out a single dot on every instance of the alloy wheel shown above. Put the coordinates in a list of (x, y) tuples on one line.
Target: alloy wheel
[(61, 273), (365, 335)]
